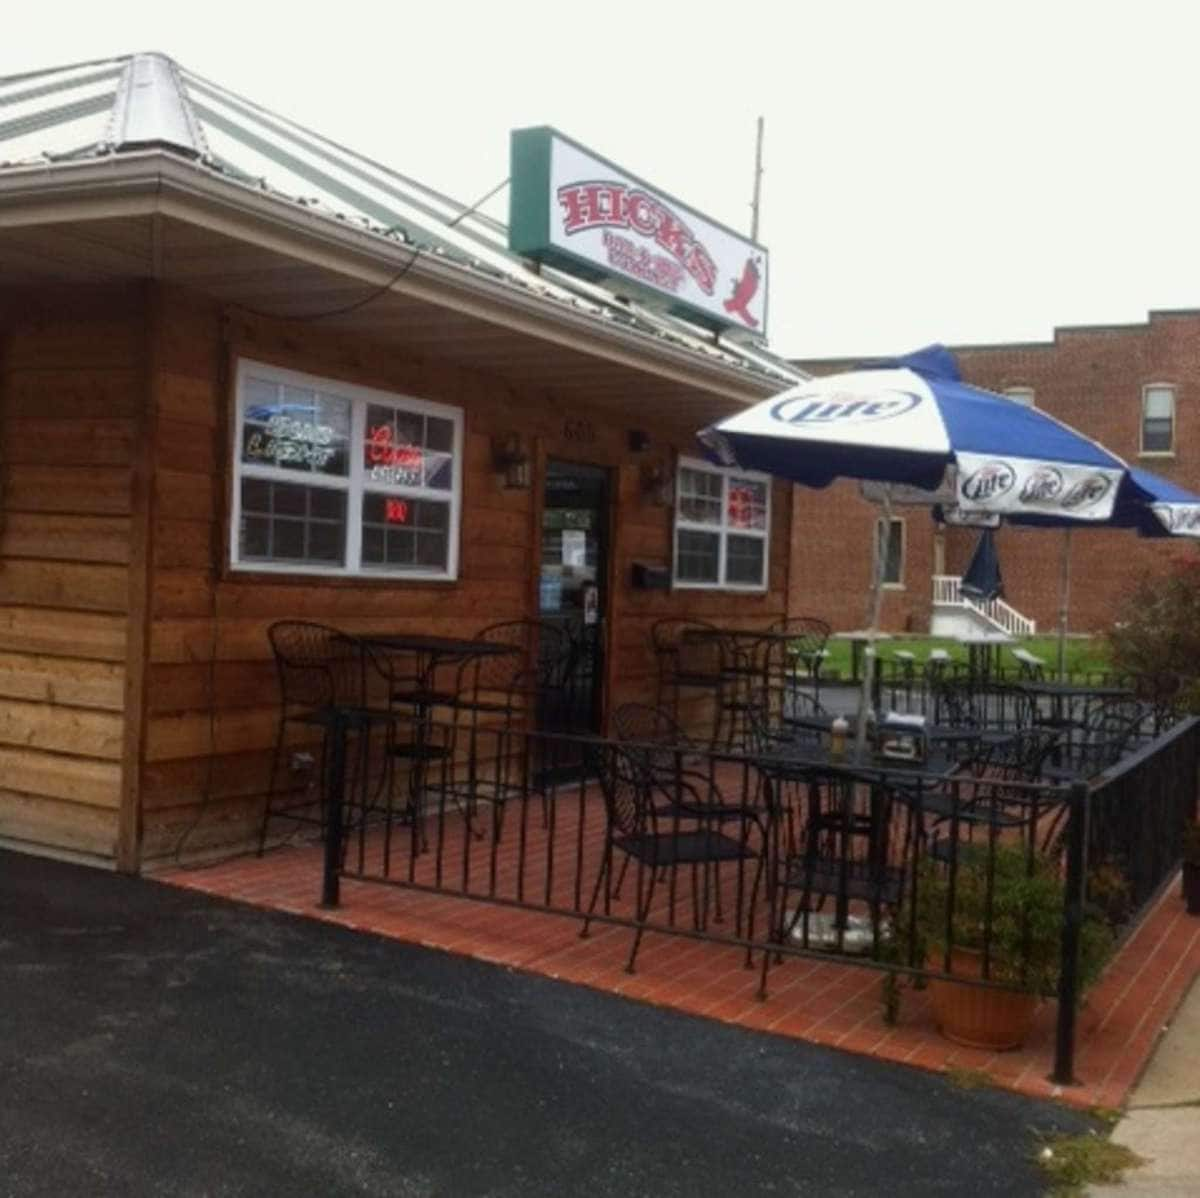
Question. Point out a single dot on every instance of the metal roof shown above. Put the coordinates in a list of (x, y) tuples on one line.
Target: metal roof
[(101, 109)]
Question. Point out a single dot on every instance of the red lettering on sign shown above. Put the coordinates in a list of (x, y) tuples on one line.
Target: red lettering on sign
[(396, 511), (595, 205), (382, 452)]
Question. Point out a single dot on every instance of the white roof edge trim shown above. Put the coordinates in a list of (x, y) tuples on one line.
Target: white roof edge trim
[(101, 177)]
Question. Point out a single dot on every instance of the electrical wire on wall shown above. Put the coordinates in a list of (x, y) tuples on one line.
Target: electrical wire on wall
[(210, 684), (383, 288)]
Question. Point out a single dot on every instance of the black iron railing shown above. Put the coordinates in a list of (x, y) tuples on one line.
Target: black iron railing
[(778, 853), (1137, 812)]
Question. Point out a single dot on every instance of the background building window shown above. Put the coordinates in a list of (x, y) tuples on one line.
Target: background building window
[(722, 528), (335, 479), (1022, 395), (1158, 418), (891, 545)]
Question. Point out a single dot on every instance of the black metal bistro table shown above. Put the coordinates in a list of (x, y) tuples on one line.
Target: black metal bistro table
[(420, 694), (873, 877), (1061, 692), (744, 675)]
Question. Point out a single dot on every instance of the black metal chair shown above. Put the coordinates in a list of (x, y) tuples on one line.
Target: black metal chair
[(998, 792), (699, 832), (688, 662), (845, 853), (1110, 727), (808, 637), (323, 690)]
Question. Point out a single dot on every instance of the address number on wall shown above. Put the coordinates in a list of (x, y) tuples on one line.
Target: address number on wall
[(579, 429)]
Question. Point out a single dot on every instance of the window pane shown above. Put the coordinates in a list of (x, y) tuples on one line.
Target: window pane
[(291, 522), (891, 543), (744, 560), (700, 496), (1022, 395), (747, 504), (295, 429), (408, 449), (697, 556), (1160, 403), (408, 461), (439, 434), (1156, 436), (400, 533)]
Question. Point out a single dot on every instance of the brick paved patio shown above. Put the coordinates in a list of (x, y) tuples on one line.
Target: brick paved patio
[(826, 1001)]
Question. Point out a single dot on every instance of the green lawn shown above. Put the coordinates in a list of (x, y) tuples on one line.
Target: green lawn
[(1084, 654)]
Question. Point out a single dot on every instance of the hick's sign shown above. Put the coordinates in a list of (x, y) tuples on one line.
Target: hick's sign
[(580, 213)]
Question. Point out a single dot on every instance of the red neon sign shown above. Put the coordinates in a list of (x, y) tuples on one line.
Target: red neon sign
[(396, 511), (382, 451)]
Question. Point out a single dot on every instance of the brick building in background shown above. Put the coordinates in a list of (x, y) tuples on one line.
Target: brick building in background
[(1132, 387)]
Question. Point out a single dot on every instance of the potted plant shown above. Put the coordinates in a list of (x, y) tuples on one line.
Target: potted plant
[(1012, 906), (1191, 868)]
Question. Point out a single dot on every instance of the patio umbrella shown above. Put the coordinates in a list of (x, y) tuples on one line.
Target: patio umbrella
[(982, 579), (908, 421)]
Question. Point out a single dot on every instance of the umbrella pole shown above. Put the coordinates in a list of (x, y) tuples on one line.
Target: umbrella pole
[(1064, 603), (869, 667)]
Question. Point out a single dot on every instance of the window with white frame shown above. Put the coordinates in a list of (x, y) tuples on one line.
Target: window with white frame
[(1158, 418), (1023, 395), (722, 527), (331, 478), (891, 547)]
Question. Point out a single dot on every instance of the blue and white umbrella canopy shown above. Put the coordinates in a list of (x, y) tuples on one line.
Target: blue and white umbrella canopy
[(911, 420)]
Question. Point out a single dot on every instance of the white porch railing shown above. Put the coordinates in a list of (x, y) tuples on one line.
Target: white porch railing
[(947, 592)]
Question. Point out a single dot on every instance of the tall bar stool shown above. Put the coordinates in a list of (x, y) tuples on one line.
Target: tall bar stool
[(322, 681), (689, 656)]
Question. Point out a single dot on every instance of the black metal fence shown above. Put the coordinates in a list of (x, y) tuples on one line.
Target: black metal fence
[(1137, 812), (778, 854)]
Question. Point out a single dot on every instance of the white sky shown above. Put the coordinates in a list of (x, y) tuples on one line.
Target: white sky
[(953, 172)]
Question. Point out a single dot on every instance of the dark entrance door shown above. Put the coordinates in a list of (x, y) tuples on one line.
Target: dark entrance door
[(571, 592)]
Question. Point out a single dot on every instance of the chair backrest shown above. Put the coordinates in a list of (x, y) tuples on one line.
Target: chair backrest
[(808, 634), (1003, 705), (318, 665), (954, 702), (547, 650), (1112, 726), (641, 723), (627, 789), (652, 737), (676, 652)]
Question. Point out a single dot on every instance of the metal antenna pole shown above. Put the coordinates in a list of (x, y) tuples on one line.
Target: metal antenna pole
[(758, 170)]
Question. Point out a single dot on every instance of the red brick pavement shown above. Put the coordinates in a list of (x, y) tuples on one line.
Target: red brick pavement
[(823, 1000)]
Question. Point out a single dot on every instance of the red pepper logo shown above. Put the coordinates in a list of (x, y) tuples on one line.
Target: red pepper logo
[(744, 290)]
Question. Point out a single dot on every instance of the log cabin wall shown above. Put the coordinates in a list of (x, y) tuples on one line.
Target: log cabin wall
[(138, 699), (212, 699), (73, 398)]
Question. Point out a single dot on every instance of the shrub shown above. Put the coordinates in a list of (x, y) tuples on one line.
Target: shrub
[(1156, 636), (1016, 905)]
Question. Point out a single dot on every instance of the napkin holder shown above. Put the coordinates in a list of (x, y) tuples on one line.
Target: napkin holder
[(902, 738)]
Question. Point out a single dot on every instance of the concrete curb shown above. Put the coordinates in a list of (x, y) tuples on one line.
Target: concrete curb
[(1162, 1119)]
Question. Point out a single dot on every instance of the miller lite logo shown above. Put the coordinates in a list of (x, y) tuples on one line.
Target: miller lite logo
[(1178, 518), (1043, 484), (1087, 491), (989, 482), (844, 407)]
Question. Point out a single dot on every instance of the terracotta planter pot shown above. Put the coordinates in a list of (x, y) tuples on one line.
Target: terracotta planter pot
[(976, 1016), (1191, 887)]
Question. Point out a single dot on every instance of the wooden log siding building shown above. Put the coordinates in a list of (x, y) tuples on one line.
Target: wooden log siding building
[(138, 700)]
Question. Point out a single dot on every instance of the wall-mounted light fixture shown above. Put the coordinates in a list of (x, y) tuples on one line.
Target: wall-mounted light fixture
[(658, 483), (511, 461)]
